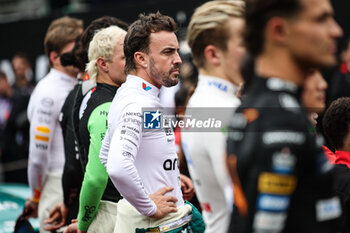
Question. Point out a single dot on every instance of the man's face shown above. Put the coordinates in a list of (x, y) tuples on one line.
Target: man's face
[(313, 34), (235, 50), (164, 60), (116, 66), (20, 67), (313, 96), (70, 70)]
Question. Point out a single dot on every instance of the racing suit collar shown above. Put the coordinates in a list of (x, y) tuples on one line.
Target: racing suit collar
[(218, 83), (342, 157), (106, 86), (146, 86)]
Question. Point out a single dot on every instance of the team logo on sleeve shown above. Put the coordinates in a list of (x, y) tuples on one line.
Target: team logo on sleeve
[(152, 119)]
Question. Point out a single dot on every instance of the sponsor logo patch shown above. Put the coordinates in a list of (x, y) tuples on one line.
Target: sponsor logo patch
[(169, 164), (282, 137), (42, 138), (88, 211), (132, 120), (328, 209), (103, 113), (268, 222), (43, 129), (276, 183), (41, 146), (218, 85), (130, 133), (138, 114), (283, 161), (44, 120), (126, 154), (273, 203), (44, 112), (47, 102)]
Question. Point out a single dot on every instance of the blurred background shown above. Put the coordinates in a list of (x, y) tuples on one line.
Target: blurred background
[(23, 24)]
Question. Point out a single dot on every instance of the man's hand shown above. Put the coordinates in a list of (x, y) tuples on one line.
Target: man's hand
[(73, 227), (57, 217), (165, 204), (187, 187), (31, 207)]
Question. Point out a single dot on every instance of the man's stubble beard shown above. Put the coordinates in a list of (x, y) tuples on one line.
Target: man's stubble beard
[(163, 77)]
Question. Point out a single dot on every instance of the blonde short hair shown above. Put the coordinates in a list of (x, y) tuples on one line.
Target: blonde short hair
[(103, 45), (208, 26)]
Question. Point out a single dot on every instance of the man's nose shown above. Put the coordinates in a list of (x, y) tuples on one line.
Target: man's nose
[(177, 59)]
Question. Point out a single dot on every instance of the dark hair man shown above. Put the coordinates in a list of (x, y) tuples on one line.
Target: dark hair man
[(282, 179), (142, 163)]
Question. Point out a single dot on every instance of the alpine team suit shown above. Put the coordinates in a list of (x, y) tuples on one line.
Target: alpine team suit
[(140, 161)]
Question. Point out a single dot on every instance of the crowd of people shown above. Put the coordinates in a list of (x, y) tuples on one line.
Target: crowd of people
[(97, 159)]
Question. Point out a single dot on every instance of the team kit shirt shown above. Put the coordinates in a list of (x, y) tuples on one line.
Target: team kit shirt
[(139, 161), (283, 181), (93, 125), (205, 152), (46, 149)]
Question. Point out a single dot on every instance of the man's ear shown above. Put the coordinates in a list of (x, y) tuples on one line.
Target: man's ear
[(141, 59), (277, 30), (103, 64), (212, 55), (54, 58)]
